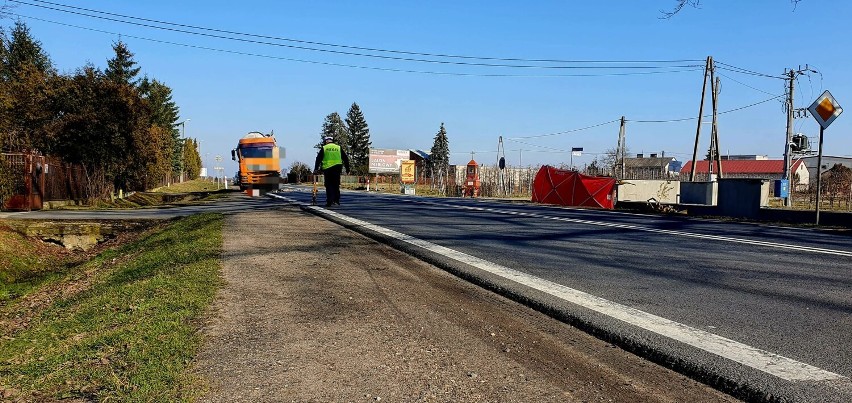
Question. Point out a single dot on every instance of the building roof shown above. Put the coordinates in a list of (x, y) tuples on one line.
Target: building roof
[(420, 153), (744, 166), (655, 162)]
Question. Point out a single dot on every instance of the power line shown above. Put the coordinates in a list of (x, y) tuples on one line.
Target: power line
[(746, 85), (538, 146), (707, 116), (351, 65), (636, 121), (339, 45), (564, 132), (341, 52), (741, 70)]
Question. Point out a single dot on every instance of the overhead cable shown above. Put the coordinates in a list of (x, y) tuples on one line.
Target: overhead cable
[(707, 116), (748, 86), (741, 70), (443, 73), (537, 146), (350, 53), (564, 132), (339, 45)]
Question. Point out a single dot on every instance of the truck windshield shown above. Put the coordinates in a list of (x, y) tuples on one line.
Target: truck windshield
[(256, 151)]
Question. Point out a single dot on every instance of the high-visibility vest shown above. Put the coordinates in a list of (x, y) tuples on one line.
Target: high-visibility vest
[(331, 155)]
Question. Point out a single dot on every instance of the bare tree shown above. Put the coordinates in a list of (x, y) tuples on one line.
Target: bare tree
[(611, 161), (697, 4), (680, 5)]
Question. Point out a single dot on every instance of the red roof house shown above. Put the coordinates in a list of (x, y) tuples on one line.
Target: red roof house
[(757, 169)]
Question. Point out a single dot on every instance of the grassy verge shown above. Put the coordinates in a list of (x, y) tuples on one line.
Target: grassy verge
[(196, 185), (25, 265), (131, 333), (179, 194)]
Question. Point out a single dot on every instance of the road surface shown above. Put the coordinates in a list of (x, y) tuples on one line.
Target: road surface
[(756, 310)]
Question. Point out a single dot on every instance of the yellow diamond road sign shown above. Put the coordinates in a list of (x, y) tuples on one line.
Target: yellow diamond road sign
[(825, 109)]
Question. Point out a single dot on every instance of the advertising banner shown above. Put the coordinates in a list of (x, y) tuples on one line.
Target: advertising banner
[(406, 173), (383, 161)]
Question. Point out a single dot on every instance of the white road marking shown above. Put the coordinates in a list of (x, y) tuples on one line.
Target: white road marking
[(768, 362), (797, 248)]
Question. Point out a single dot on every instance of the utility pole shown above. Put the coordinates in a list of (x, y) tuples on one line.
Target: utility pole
[(791, 76), (621, 147), (716, 154), (501, 165), (712, 152), (707, 69), (791, 115)]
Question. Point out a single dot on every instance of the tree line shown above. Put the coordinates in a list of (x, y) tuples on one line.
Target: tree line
[(119, 127), (352, 134)]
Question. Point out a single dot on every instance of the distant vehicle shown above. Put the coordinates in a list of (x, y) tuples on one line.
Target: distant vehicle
[(236, 181), (259, 159)]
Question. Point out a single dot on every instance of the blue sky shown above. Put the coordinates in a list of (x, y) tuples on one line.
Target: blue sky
[(226, 92)]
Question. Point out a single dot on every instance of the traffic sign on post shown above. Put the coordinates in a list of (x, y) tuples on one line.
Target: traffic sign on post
[(825, 109)]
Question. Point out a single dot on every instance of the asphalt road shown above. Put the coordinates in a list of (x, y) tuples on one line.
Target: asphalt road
[(759, 311)]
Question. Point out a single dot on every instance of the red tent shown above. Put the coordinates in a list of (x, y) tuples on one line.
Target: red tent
[(569, 188)]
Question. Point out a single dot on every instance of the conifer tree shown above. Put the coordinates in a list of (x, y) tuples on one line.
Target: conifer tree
[(28, 82), (191, 158), (164, 114), (122, 68), (20, 49), (440, 158), (335, 128), (359, 140)]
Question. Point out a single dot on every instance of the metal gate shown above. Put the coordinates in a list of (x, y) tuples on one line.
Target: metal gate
[(28, 182)]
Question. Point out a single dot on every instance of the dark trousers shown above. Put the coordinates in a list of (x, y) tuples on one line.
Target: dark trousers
[(332, 184)]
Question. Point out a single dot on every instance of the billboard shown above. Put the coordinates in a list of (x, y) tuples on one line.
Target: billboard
[(383, 161), (407, 172)]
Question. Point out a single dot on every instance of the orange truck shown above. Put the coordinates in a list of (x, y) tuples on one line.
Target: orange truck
[(259, 157)]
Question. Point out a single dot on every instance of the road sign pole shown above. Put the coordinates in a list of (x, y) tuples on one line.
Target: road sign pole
[(824, 109), (819, 174)]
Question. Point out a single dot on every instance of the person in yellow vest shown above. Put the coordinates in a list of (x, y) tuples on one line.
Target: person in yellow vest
[(331, 160)]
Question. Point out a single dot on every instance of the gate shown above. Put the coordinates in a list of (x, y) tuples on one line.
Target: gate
[(28, 182)]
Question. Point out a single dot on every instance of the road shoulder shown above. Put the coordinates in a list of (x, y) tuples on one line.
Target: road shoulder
[(313, 311)]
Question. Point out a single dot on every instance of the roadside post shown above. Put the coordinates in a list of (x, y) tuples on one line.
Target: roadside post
[(824, 109), (216, 170)]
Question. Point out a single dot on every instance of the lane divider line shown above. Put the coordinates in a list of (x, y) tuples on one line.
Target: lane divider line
[(762, 360)]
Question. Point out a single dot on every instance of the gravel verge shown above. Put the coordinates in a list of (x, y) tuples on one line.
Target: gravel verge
[(311, 311)]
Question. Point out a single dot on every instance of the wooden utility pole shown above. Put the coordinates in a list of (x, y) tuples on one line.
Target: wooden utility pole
[(707, 68)]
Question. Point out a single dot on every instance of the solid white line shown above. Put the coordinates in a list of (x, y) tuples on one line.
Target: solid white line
[(770, 363)]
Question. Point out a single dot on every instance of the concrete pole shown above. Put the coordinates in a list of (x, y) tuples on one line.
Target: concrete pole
[(789, 137), (700, 114), (623, 146), (717, 149)]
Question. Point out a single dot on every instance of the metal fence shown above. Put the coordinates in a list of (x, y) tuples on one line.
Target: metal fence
[(36, 179)]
